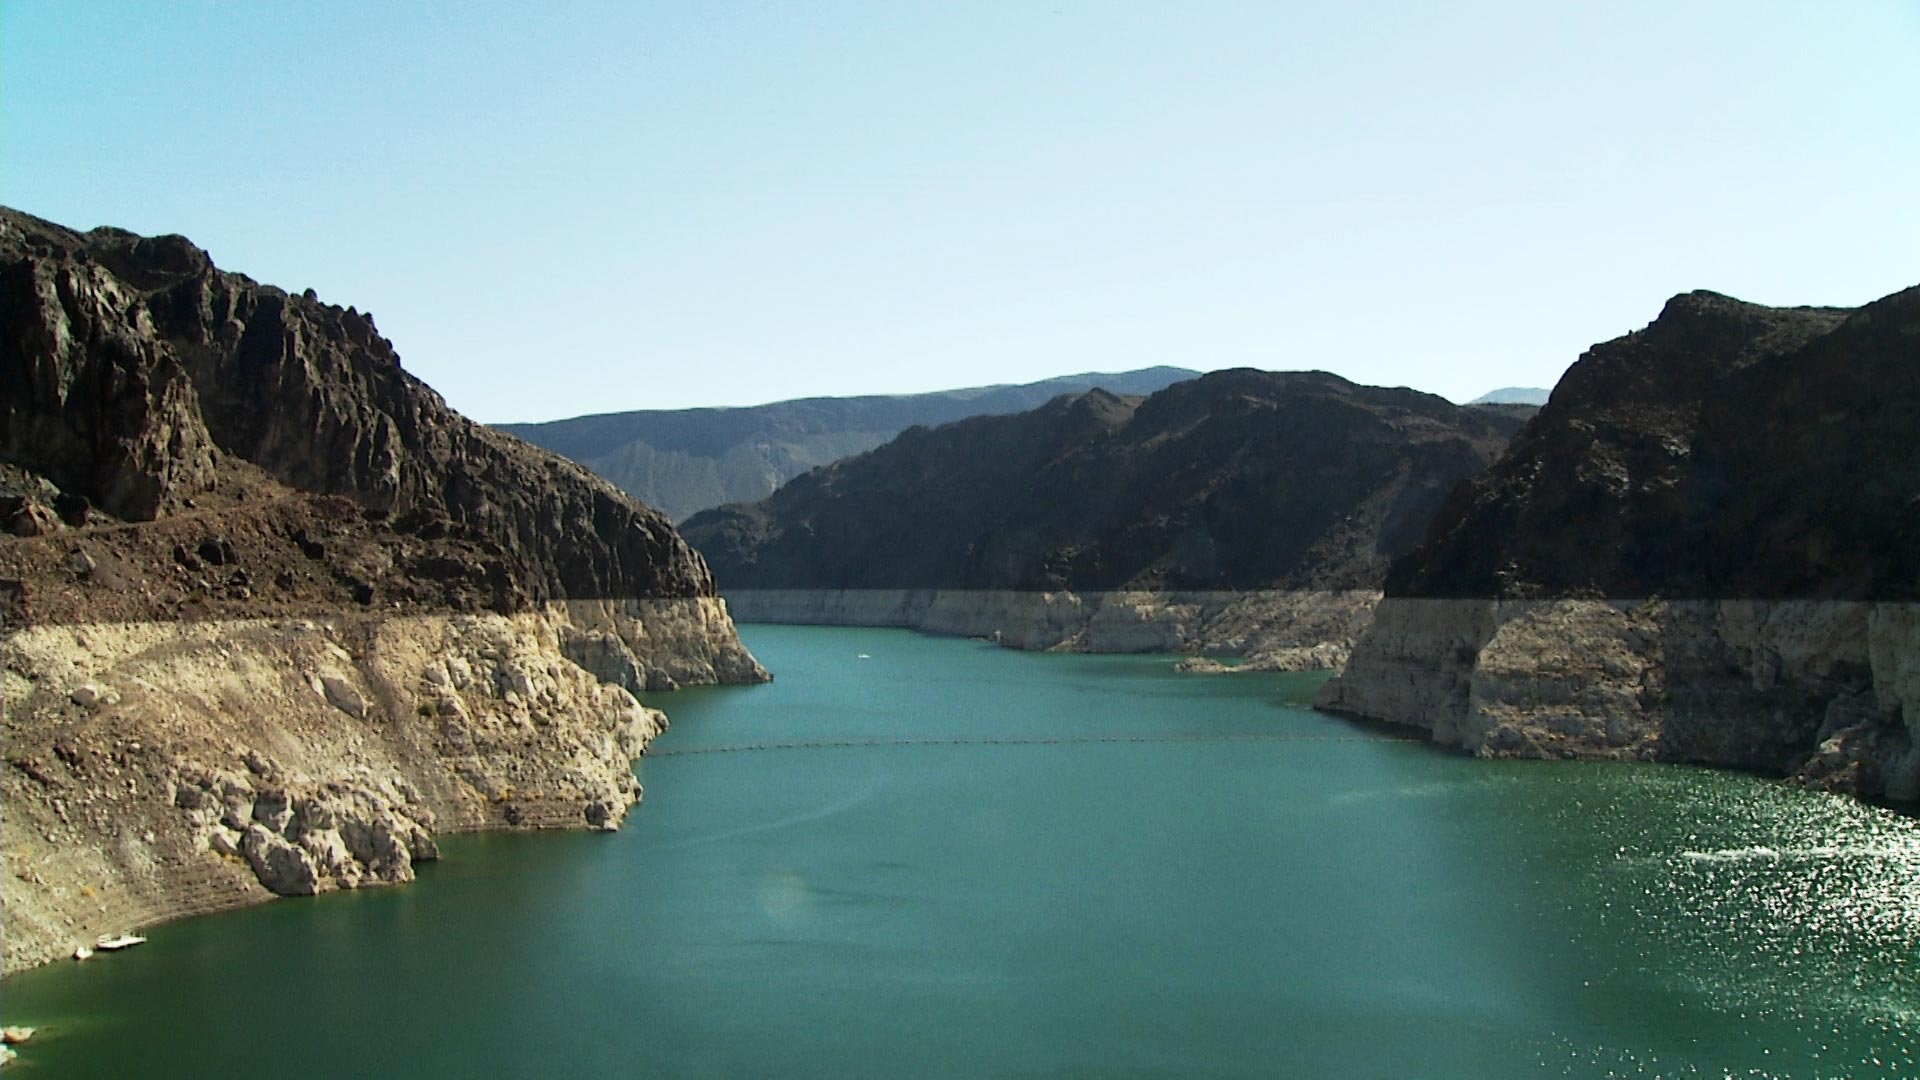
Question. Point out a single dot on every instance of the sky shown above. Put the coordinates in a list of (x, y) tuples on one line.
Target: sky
[(567, 207)]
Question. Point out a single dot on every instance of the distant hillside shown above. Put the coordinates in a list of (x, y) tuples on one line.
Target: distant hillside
[(687, 460), (1235, 480), (1513, 395)]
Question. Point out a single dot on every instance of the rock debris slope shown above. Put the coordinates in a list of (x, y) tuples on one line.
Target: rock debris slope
[(275, 615), (1118, 523), (1705, 548)]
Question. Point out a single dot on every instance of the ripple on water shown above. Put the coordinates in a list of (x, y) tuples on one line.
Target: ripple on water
[(1261, 907), (1792, 912)]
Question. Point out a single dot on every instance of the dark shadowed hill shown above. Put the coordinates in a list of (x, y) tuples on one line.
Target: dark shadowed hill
[(687, 460), (1727, 450), (1235, 480)]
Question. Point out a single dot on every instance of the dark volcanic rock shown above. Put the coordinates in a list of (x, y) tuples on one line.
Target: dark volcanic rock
[(1728, 450), (1236, 480), (132, 372), (1705, 548)]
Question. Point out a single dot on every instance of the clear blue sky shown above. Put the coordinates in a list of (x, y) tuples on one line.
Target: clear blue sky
[(560, 208)]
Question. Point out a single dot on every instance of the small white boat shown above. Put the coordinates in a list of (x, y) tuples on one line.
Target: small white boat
[(862, 656), (115, 944), (83, 953)]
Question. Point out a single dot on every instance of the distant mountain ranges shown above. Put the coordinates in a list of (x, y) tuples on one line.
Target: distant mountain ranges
[(687, 460), (1513, 395), (1237, 479)]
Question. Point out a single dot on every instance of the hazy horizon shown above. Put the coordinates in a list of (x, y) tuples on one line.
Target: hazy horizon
[(938, 390)]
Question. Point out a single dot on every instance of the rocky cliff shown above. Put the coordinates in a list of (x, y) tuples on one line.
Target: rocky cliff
[(275, 614), (688, 460), (1235, 482), (1705, 548)]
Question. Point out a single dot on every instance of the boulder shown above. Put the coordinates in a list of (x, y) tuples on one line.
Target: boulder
[(283, 868), (341, 694), (92, 696)]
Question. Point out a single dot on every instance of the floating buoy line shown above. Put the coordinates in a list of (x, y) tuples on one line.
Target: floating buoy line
[(1016, 740)]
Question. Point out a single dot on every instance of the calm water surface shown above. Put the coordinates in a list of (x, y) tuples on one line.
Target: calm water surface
[(1269, 893)]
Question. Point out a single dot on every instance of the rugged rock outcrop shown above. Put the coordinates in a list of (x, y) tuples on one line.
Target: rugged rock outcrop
[(275, 614), (132, 367), (1235, 482), (216, 762), (1706, 548), (687, 460)]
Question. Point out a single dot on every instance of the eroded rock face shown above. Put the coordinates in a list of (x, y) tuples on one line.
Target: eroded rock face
[(276, 614), (1704, 549), (133, 812), (89, 394), (130, 365), (1817, 689), (1727, 451)]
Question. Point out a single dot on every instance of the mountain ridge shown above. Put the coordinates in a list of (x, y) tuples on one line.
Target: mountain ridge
[(1188, 488), (1513, 395), (687, 460)]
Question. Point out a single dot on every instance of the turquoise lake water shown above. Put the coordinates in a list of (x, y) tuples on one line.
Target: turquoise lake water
[(1074, 866)]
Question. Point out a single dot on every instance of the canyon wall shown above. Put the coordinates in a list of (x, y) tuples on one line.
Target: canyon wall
[(1827, 691), (1706, 548), (275, 616)]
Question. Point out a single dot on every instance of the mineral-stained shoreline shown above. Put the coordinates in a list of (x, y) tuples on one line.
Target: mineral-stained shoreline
[(163, 769), (1273, 630), (1825, 692), (1705, 548)]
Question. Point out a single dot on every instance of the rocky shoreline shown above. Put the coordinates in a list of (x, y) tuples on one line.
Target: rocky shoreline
[(1274, 630), (1824, 692), (1705, 548), (165, 769)]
